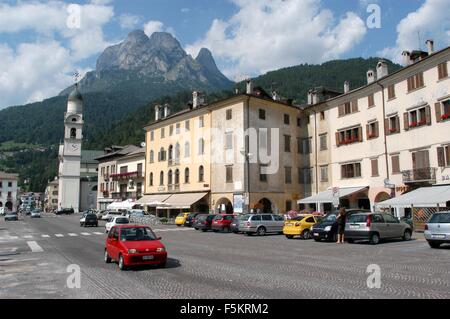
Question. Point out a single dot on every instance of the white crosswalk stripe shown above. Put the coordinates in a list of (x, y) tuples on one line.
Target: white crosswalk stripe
[(72, 235), (45, 236), (59, 235), (35, 248), (28, 236), (98, 233), (85, 234)]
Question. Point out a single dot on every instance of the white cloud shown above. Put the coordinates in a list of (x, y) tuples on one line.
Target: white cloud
[(33, 71), (271, 34), (430, 21), (129, 21), (157, 26)]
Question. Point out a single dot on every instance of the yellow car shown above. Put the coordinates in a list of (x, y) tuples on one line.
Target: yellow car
[(300, 226), (181, 219)]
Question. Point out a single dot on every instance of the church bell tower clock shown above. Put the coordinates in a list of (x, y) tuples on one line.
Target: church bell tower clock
[(70, 153)]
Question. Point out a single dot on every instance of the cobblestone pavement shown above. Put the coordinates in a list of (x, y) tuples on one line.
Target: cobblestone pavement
[(35, 254)]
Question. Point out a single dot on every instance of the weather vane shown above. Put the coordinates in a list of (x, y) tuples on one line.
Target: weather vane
[(76, 76)]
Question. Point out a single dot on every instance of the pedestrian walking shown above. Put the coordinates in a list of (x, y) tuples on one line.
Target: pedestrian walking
[(341, 219)]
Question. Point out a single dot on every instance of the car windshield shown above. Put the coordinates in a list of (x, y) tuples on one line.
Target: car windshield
[(218, 217), (330, 218), (357, 218), (442, 218), (243, 217), (137, 234), (201, 217), (122, 221), (299, 218)]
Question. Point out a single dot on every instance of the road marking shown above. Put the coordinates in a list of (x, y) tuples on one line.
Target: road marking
[(59, 235), (72, 235), (35, 248), (28, 236), (86, 234), (45, 236), (98, 233)]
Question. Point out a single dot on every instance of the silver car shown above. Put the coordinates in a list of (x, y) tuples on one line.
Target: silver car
[(261, 224), (437, 230), (375, 227)]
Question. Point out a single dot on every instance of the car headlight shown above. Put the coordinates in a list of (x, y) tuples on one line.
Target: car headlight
[(132, 251), (328, 228), (160, 250)]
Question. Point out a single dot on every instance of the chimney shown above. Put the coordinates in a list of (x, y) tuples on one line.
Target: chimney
[(249, 89), (314, 97), (166, 110), (157, 112), (275, 96), (382, 69), (370, 76), (430, 45), (406, 58), (346, 87), (195, 99), (310, 97)]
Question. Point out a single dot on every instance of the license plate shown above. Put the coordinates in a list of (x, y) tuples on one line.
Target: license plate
[(148, 257), (316, 234), (438, 236), (354, 226)]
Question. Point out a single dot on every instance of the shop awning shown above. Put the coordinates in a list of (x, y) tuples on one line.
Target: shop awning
[(152, 200), (327, 196), (422, 197), (181, 201), (126, 204)]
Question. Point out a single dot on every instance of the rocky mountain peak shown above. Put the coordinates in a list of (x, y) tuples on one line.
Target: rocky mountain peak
[(136, 37)]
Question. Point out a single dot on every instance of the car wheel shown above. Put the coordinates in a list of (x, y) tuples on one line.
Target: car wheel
[(81, 224), (306, 234), (350, 241), (289, 236), (162, 265), (407, 235), (374, 239), (261, 231), (195, 228), (122, 263), (107, 258), (204, 230), (179, 225), (434, 244), (317, 239)]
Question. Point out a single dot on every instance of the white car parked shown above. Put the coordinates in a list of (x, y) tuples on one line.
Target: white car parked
[(110, 214), (116, 220)]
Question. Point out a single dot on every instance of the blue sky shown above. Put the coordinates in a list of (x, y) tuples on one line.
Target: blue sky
[(246, 37)]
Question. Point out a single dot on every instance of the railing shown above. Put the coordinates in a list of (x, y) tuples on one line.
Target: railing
[(427, 174), (127, 176), (123, 195), (173, 162)]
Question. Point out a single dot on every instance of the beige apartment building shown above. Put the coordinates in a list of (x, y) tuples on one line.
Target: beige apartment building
[(386, 138), (51, 195), (119, 175), (214, 157)]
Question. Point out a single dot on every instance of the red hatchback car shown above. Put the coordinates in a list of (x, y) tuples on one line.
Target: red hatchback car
[(222, 222), (133, 245)]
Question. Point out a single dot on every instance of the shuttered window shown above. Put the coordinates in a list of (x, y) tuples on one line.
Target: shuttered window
[(372, 130), (442, 71), (417, 117), (416, 81), (371, 100), (391, 91), (374, 164), (395, 164), (349, 136), (350, 170), (443, 155)]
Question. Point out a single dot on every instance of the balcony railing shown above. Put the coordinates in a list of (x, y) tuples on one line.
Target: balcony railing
[(173, 161), (127, 176), (418, 175), (123, 195)]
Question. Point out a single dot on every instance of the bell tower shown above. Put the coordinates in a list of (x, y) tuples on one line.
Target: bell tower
[(70, 153)]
